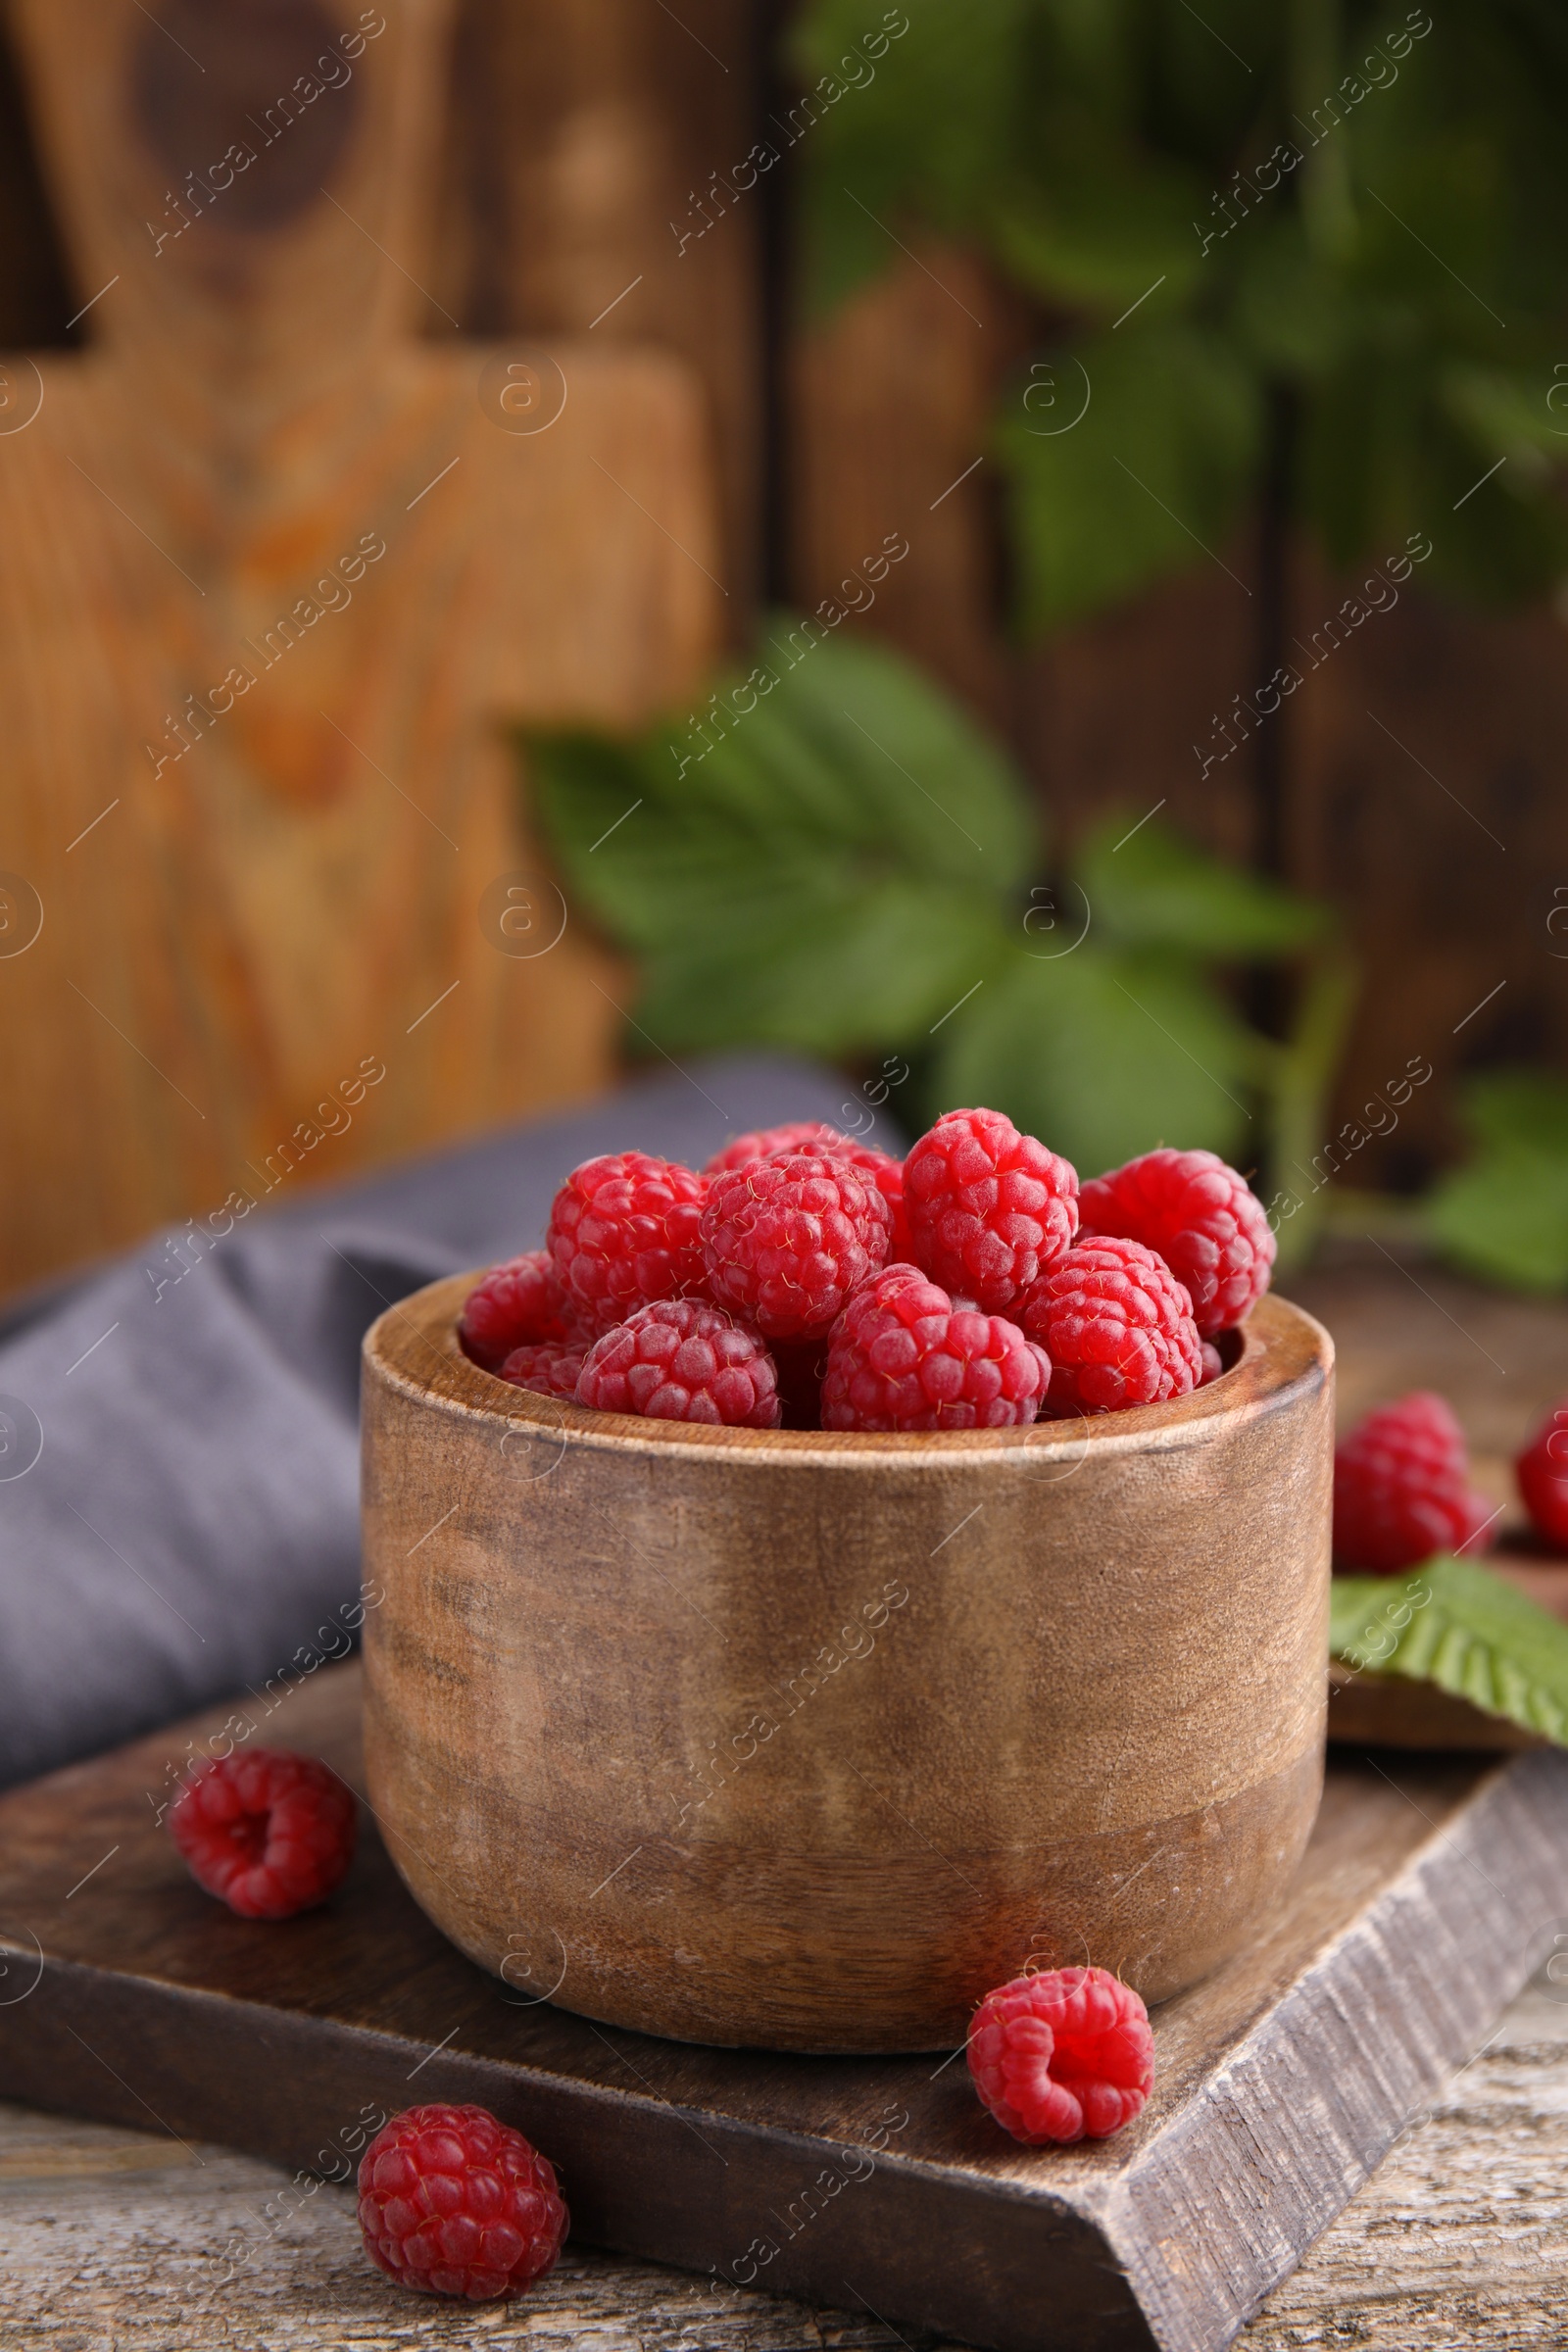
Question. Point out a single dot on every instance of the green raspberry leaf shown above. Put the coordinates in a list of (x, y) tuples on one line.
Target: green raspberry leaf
[(1466, 1629), (1150, 888), (1153, 476), (828, 857), (1104, 1053)]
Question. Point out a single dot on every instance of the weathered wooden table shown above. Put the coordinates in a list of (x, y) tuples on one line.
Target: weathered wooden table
[(108, 2237)]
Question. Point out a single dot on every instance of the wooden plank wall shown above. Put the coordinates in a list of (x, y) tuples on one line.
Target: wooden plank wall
[(584, 129)]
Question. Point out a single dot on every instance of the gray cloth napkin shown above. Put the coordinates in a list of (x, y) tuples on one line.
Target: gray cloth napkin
[(179, 1464)]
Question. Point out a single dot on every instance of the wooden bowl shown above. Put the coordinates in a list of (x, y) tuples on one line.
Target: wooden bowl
[(805, 1740)]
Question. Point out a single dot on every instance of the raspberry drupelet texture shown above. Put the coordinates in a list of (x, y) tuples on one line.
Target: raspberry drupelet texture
[(800, 1135), (1062, 2056), (455, 2203), (786, 1240), (807, 1134), (1543, 1473), (1200, 1217), (903, 1357), (517, 1304), (625, 1231), (1117, 1327), (1401, 1489), (551, 1368), (988, 1209), (887, 1174), (267, 1831), (682, 1360)]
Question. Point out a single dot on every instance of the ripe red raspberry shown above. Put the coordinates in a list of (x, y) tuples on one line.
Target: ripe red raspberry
[(1061, 2056), (1213, 1362), (623, 1230), (786, 1240), (1200, 1217), (988, 1209), (800, 1135), (514, 1305), (455, 2203), (1543, 1473), (1117, 1327), (1401, 1489), (903, 1357), (267, 1831), (682, 1360), (887, 1174), (551, 1369)]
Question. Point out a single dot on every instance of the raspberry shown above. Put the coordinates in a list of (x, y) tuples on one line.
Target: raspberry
[(455, 2203), (1213, 1362), (1401, 1487), (829, 1143), (1061, 2056), (802, 1135), (903, 1357), (623, 1231), (786, 1240), (988, 1209), (1201, 1218), (887, 1174), (267, 1831), (1543, 1473), (551, 1368), (1117, 1327), (513, 1305), (681, 1360)]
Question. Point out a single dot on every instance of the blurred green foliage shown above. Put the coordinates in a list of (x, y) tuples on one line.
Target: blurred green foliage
[(1341, 216), (840, 861), (1505, 1215)]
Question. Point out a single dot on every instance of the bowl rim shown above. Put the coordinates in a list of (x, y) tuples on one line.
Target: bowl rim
[(413, 1347)]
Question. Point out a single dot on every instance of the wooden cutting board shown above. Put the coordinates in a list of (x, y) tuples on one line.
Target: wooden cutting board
[(281, 574), (1429, 1886)]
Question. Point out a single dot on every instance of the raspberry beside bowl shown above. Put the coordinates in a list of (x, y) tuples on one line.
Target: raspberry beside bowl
[(806, 1740)]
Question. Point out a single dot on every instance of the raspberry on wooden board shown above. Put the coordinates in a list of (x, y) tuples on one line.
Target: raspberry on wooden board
[(267, 1831), (1401, 1487), (1063, 2055), (453, 2202), (1541, 1470)]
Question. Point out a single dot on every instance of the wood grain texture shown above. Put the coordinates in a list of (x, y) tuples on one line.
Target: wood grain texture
[(1425, 1895), (114, 2243), (806, 1740), (278, 575), (587, 191), (890, 407)]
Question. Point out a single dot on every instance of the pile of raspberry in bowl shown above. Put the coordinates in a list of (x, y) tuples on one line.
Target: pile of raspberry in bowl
[(803, 1280)]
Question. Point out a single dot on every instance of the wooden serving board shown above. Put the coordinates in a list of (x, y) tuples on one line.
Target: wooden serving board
[(1429, 1887)]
